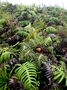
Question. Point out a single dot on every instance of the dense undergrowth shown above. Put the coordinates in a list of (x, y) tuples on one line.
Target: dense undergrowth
[(33, 47)]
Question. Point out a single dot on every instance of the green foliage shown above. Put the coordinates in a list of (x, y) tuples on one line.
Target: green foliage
[(24, 23), (2, 21), (22, 33), (47, 41), (3, 79), (51, 49), (27, 75), (55, 20), (28, 28), (39, 23), (1, 27), (20, 7), (38, 39), (27, 54), (14, 50), (33, 13), (50, 29), (4, 16), (18, 29), (5, 56), (60, 72)]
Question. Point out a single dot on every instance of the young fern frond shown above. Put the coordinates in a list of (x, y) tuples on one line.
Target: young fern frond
[(27, 75)]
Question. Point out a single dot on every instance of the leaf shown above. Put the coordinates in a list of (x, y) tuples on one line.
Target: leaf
[(62, 77), (58, 76)]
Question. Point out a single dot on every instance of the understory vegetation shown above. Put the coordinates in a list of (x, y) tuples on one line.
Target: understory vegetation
[(33, 47)]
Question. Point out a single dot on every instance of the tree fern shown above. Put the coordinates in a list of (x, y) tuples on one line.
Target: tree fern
[(27, 75)]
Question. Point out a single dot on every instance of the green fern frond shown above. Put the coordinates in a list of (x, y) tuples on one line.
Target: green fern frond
[(39, 39), (5, 56), (47, 41), (27, 75), (22, 33), (31, 34), (50, 29), (3, 79), (60, 72)]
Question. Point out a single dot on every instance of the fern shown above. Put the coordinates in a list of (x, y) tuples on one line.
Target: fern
[(26, 53), (31, 34), (5, 56), (39, 39), (27, 75), (60, 72), (47, 41), (50, 29), (28, 28), (3, 79), (22, 33)]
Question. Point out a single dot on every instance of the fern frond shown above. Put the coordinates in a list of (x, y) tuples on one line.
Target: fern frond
[(39, 39), (3, 79), (5, 56), (27, 75), (60, 72), (47, 41), (31, 34)]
